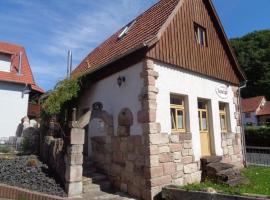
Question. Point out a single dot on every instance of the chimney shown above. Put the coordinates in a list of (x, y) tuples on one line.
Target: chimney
[(20, 64), (69, 63)]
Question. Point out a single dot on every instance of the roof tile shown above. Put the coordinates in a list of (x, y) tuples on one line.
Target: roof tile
[(12, 76)]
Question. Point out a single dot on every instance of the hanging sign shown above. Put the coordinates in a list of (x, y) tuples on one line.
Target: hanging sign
[(222, 92)]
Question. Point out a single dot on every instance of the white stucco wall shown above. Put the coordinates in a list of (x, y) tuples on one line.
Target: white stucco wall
[(193, 86), (13, 107), (252, 119), (5, 62), (114, 98)]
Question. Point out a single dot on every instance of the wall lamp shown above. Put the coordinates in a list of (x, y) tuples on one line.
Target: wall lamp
[(121, 80)]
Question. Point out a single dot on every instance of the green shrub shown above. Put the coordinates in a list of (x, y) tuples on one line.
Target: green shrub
[(26, 146), (4, 149), (260, 131), (64, 91)]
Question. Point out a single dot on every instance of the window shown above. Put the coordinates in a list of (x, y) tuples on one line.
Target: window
[(223, 117), (200, 34), (126, 29), (203, 116), (5, 62), (247, 115), (177, 113)]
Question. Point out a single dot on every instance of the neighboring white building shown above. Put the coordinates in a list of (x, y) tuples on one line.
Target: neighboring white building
[(17, 88), (168, 84)]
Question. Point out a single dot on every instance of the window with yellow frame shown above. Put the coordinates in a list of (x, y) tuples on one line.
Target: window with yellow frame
[(177, 113), (223, 117)]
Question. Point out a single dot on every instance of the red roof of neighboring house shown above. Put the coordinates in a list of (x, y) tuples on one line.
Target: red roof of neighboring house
[(251, 104), (265, 109), (143, 30), (27, 76)]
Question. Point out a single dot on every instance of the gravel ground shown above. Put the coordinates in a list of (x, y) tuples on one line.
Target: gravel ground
[(28, 172)]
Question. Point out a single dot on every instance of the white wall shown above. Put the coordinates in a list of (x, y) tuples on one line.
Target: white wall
[(172, 80), (114, 98), (252, 119), (5, 62), (13, 107)]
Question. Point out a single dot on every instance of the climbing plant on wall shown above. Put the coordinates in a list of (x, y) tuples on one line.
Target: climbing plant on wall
[(64, 92)]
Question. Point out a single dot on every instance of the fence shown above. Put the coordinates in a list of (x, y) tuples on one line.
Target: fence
[(258, 156)]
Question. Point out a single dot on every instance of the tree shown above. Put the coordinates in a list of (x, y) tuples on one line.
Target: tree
[(253, 53)]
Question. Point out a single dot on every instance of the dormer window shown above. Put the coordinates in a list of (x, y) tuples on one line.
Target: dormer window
[(200, 34), (125, 30), (5, 62)]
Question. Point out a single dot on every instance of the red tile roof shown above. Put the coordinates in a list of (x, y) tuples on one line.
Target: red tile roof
[(265, 109), (27, 76), (251, 104), (144, 29)]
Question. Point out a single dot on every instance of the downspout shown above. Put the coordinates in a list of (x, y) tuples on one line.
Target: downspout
[(243, 138)]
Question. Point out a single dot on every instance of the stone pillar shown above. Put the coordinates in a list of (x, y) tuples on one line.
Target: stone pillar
[(74, 161)]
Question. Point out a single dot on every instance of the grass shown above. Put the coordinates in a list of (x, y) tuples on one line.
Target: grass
[(259, 178)]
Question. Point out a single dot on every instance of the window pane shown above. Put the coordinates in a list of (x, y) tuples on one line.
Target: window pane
[(199, 120), (223, 122), (221, 106), (201, 105), (204, 121), (201, 32), (180, 119), (176, 100), (173, 124)]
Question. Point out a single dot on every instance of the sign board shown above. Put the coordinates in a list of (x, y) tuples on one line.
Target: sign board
[(222, 92)]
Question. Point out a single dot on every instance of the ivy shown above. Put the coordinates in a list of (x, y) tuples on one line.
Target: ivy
[(64, 91)]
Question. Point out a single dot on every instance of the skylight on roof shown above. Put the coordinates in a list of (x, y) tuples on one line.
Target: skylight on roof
[(125, 30)]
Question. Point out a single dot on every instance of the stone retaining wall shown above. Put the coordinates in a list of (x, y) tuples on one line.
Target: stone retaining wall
[(52, 152), (11, 192)]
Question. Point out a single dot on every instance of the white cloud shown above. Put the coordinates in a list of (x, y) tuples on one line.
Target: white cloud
[(48, 29)]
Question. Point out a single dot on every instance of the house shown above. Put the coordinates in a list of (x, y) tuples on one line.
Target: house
[(255, 111), (164, 92), (18, 90)]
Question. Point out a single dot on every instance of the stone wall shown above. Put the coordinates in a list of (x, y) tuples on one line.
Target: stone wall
[(123, 160), (231, 142), (52, 152), (141, 165), (171, 157)]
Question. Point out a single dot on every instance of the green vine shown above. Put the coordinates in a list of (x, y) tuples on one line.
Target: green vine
[(64, 92)]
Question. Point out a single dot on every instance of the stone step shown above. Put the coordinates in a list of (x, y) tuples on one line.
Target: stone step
[(94, 178), (214, 168), (102, 185), (210, 159), (228, 174), (237, 181)]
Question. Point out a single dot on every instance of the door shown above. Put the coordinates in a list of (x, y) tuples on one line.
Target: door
[(204, 128)]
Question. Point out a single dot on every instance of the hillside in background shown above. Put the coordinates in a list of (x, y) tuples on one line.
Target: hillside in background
[(253, 53)]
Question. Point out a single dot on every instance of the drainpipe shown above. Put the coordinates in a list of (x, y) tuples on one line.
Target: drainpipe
[(241, 86)]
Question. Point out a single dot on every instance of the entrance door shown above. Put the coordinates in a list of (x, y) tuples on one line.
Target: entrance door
[(204, 128)]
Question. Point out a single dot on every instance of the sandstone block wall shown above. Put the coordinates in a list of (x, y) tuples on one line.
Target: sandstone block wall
[(231, 142)]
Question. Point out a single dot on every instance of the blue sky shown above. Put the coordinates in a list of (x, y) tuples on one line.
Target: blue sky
[(47, 29)]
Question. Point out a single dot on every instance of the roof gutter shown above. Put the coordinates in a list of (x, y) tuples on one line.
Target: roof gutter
[(140, 46), (243, 138)]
